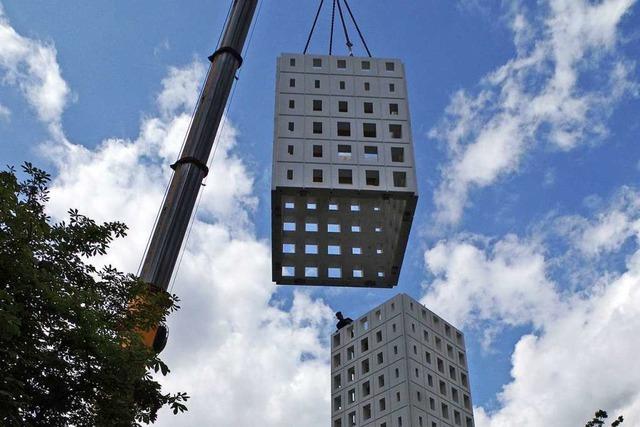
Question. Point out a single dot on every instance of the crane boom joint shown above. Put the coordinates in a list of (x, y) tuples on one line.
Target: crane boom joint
[(230, 50), (194, 161)]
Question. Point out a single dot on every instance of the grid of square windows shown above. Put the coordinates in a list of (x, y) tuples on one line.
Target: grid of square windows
[(347, 82), (448, 404)]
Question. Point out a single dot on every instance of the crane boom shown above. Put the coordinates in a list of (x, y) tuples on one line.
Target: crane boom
[(191, 168)]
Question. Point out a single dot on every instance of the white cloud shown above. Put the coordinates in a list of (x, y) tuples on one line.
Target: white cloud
[(32, 66), (535, 96), (243, 359), (477, 280), (608, 230), (582, 352), (5, 113)]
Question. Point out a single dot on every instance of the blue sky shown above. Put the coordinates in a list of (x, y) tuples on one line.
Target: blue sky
[(525, 123)]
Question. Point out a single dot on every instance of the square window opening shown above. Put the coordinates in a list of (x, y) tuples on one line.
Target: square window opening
[(369, 130), (317, 105), (368, 107), (366, 412), (337, 403), (311, 249), (334, 272), (344, 129), (393, 109), (395, 131), (317, 175), (372, 178), (365, 366), (311, 272), (317, 62), (333, 250), (365, 65), (288, 271), (337, 381), (370, 152), (317, 151), (288, 248), (317, 128), (366, 389), (342, 64), (343, 106), (397, 154), (390, 66), (400, 179), (344, 152), (345, 176)]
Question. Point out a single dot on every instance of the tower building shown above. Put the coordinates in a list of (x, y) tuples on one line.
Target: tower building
[(344, 188), (399, 365)]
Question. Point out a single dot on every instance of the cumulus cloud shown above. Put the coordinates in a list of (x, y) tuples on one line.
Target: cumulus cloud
[(477, 280), (244, 359), (582, 351), (32, 66), (539, 95), (243, 354), (5, 113), (609, 230)]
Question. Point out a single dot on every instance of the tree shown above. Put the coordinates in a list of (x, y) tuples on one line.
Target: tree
[(600, 416), (69, 351)]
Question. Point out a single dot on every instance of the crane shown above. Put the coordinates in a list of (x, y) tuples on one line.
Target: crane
[(191, 167)]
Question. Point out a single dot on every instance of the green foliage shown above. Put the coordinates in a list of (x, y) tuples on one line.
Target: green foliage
[(68, 348), (600, 417)]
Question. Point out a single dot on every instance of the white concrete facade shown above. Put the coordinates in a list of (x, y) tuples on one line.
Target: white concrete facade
[(343, 186), (399, 365), (342, 124)]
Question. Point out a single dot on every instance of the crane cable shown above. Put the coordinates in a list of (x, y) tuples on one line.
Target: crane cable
[(216, 144), (346, 32), (349, 44), (184, 141)]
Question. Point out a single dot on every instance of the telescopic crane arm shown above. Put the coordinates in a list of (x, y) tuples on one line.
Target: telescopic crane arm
[(191, 168)]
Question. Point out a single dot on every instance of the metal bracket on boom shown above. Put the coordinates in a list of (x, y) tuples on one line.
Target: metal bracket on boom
[(193, 161), (230, 50)]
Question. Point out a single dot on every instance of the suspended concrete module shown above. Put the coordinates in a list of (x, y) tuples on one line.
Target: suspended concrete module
[(343, 187)]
